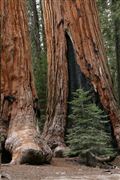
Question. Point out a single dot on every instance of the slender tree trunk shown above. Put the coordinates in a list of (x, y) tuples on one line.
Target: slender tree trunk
[(18, 122), (117, 47), (36, 30), (117, 37), (42, 31), (75, 54)]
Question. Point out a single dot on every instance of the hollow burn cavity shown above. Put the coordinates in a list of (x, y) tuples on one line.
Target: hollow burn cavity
[(6, 156), (78, 80)]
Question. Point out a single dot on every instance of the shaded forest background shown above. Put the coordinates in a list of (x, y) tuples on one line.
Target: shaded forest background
[(109, 22)]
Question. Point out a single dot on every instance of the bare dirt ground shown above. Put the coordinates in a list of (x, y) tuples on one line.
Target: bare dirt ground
[(59, 169)]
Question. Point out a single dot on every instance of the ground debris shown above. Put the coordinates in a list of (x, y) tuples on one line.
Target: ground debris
[(5, 176), (60, 169)]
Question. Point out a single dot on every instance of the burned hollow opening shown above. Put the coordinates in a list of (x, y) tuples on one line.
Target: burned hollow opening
[(6, 156), (76, 80)]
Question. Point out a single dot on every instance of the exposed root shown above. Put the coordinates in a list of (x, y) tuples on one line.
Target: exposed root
[(28, 150), (59, 151)]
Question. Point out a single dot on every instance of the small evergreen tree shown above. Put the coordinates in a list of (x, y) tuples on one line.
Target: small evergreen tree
[(88, 131)]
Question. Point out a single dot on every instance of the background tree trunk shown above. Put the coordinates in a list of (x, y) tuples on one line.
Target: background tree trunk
[(39, 56), (117, 40), (117, 45), (35, 28), (42, 31), (72, 30), (18, 122)]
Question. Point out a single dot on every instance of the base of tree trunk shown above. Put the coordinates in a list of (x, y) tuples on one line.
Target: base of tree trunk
[(59, 151), (56, 143), (28, 148), (23, 140)]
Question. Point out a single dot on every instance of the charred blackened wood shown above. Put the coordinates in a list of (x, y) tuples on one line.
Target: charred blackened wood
[(10, 98)]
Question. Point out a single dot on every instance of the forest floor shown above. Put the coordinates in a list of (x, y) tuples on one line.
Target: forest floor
[(59, 169)]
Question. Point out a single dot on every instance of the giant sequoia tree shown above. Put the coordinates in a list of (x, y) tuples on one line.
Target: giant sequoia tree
[(17, 119), (76, 58)]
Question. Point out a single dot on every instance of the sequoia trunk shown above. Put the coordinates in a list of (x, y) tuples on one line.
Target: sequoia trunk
[(18, 122), (76, 58)]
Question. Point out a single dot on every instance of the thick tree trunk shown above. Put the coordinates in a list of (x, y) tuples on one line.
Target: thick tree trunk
[(18, 122), (75, 54), (57, 74)]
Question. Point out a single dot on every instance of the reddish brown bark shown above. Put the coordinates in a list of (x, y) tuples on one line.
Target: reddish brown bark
[(78, 20), (57, 74), (18, 122)]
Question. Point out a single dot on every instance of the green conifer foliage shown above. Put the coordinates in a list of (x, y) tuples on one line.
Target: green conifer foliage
[(88, 132)]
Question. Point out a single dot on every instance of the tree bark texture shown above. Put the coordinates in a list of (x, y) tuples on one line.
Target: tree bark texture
[(35, 28), (18, 122), (42, 29), (73, 34), (117, 42), (117, 46)]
